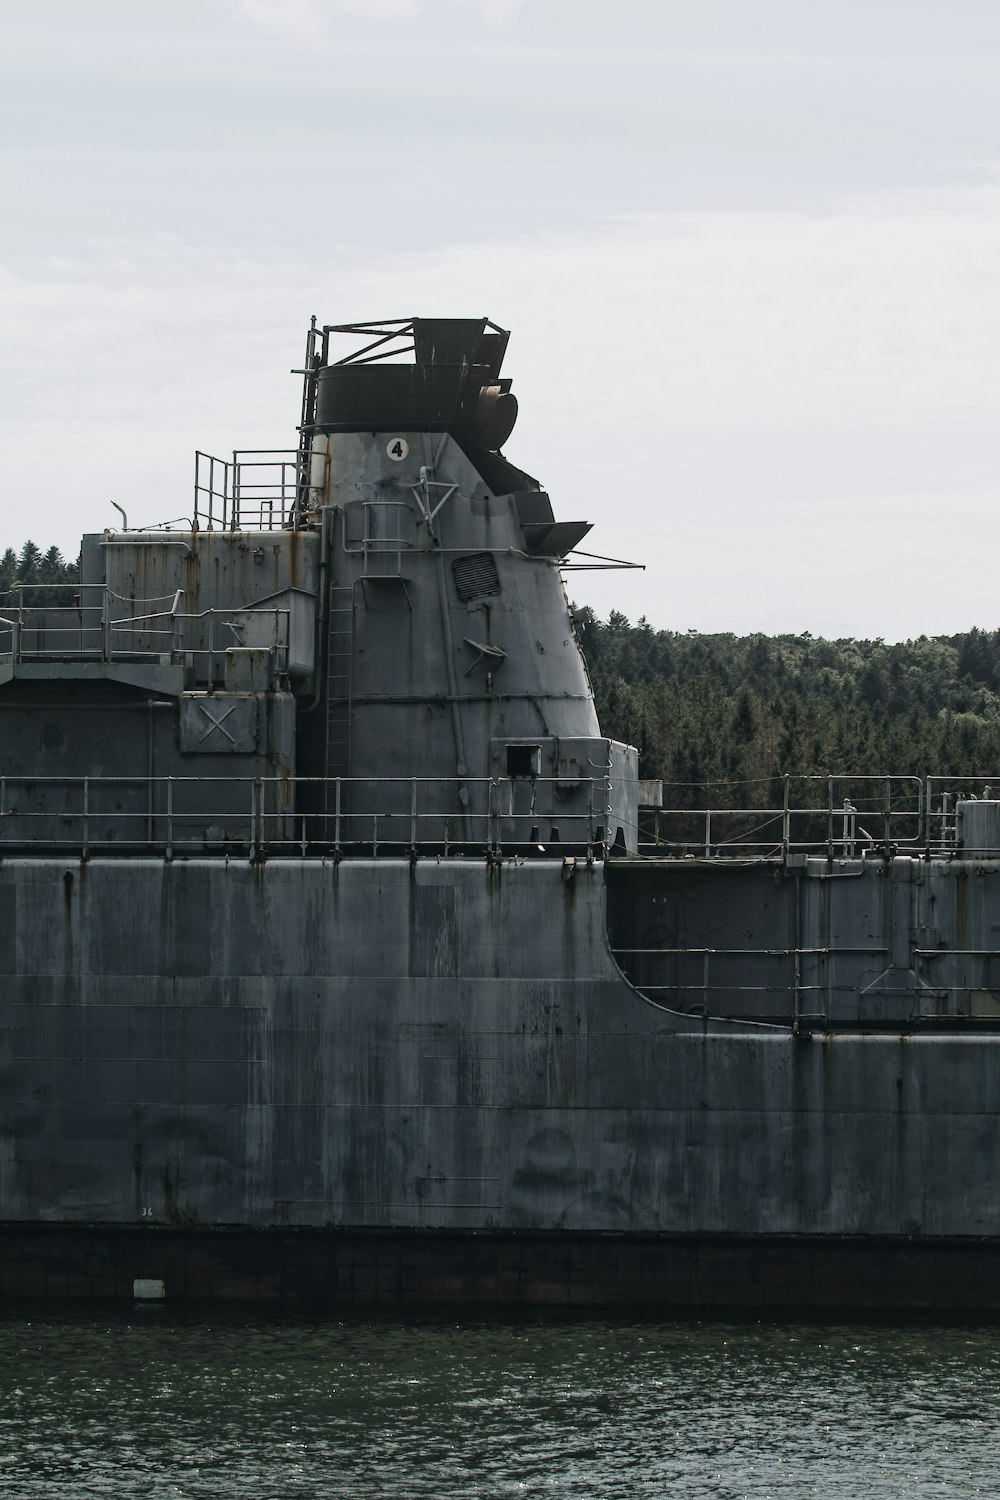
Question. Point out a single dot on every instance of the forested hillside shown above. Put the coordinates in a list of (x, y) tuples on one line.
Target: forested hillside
[(747, 709)]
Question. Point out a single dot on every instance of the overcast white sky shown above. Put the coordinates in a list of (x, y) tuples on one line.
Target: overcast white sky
[(749, 253)]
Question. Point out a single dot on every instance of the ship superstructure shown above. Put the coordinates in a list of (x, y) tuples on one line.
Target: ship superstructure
[(363, 644)]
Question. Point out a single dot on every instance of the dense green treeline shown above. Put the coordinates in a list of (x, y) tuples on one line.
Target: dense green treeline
[(37, 571), (738, 712)]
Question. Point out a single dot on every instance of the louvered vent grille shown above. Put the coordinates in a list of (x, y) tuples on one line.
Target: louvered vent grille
[(476, 576)]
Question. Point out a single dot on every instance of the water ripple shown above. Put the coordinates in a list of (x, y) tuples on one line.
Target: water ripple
[(179, 1407)]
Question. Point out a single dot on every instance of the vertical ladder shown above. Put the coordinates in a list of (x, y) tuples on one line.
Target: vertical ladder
[(339, 650)]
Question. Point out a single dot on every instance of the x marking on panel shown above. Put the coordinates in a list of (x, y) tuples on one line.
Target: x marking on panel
[(216, 723)]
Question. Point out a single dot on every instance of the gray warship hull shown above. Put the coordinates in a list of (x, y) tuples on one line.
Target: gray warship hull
[(464, 1103), (343, 961)]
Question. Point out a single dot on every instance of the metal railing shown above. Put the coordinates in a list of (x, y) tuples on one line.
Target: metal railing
[(67, 630), (818, 987), (387, 532), (262, 815), (391, 815), (255, 490), (942, 797), (95, 628), (843, 816), (790, 985)]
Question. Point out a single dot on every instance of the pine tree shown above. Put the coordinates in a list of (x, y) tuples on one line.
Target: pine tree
[(28, 564)]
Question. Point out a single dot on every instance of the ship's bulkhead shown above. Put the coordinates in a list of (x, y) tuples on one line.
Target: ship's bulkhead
[(814, 943)]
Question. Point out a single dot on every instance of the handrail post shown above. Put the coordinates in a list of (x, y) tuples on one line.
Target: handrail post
[(169, 850), (786, 815), (105, 627), (797, 992), (829, 817), (493, 818), (413, 815), (86, 816), (336, 816), (175, 636), (849, 829), (607, 811)]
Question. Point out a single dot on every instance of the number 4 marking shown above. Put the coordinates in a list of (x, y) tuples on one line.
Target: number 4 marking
[(397, 449)]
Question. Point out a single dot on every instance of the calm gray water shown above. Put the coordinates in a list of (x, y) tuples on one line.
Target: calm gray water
[(154, 1405)]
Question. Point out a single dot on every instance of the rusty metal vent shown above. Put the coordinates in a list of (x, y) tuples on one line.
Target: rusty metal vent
[(476, 576)]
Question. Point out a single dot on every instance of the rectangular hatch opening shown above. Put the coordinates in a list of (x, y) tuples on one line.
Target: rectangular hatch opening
[(524, 760)]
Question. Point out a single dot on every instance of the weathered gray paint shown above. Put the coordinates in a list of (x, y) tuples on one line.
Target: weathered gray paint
[(881, 942), (438, 1043), (446, 1046)]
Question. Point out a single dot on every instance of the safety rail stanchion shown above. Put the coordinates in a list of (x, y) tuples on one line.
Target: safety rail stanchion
[(170, 818), (86, 812), (375, 835), (708, 833), (786, 815), (797, 985), (336, 816), (607, 815), (493, 828), (829, 817), (590, 822), (849, 829), (175, 635), (413, 815), (256, 819)]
